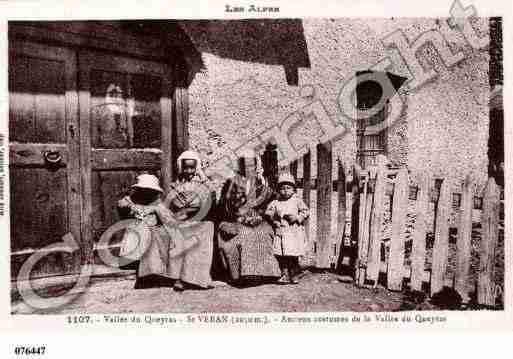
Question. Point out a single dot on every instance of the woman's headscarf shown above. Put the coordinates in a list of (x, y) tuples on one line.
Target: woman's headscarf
[(255, 195), (192, 155)]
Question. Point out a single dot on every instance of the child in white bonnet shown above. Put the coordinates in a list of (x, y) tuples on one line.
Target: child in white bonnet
[(287, 214)]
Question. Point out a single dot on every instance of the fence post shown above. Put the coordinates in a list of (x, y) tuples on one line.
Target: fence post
[(418, 251), (490, 234), (361, 228), (441, 244), (395, 268), (464, 240), (341, 218), (293, 169), (355, 218), (374, 258), (270, 164), (324, 191), (341, 195), (307, 163)]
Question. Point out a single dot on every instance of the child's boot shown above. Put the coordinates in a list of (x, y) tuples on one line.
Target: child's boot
[(292, 276)]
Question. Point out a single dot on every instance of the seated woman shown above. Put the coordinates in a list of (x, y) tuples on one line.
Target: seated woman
[(245, 239), (189, 199), (147, 244)]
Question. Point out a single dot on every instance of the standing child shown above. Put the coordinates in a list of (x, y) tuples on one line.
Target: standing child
[(287, 214)]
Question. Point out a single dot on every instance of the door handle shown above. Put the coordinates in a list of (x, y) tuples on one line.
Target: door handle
[(52, 157), (71, 129)]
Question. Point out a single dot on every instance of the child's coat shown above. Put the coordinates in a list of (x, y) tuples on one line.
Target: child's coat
[(289, 239), (151, 232)]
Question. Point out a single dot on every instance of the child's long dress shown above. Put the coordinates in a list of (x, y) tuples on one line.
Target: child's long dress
[(289, 239), (149, 240)]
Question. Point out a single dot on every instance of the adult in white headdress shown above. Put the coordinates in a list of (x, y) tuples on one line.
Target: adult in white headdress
[(190, 199), (245, 238)]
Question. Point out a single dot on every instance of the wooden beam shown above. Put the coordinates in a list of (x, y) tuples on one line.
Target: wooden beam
[(406, 272), (360, 223), (490, 235), (84, 98), (79, 34), (341, 217), (463, 243), (166, 107), (418, 251), (324, 191), (374, 257), (341, 196), (270, 164), (293, 169), (32, 154), (441, 244), (125, 159), (181, 109), (74, 188), (398, 236), (306, 191)]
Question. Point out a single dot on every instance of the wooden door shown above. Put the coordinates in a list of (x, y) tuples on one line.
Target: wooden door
[(44, 153), (126, 118)]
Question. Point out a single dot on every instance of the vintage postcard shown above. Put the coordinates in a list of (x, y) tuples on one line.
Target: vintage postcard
[(255, 165)]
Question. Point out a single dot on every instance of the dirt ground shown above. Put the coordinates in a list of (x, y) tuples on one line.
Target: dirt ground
[(316, 292)]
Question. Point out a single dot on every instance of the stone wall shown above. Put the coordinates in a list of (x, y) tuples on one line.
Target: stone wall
[(257, 73)]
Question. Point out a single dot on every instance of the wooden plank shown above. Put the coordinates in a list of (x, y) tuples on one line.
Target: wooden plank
[(81, 37), (361, 229), (84, 98), (306, 190), (490, 235), (366, 224), (293, 168), (341, 191), (32, 154), (38, 203), (270, 164), (374, 257), (39, 215), (355, 218), (463, 243), (166, 106), (441, 243), (181, 109), (54, 264), (324, 191), (45, 199), (37, 92), (47, 77), (73, 142), (36, 50), (398, 236), (21, 100), (406, 272), (341, 218), (148, 95), (125, 64), (124, 159), (112, 185), (418, 252)]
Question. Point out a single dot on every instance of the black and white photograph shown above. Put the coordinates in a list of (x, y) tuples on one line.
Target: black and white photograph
[(256, 164)]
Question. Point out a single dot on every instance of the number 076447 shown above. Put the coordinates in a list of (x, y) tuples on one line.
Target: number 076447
[(30, 350)]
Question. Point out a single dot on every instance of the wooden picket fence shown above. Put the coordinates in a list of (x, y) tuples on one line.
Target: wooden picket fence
[(376, 249)]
